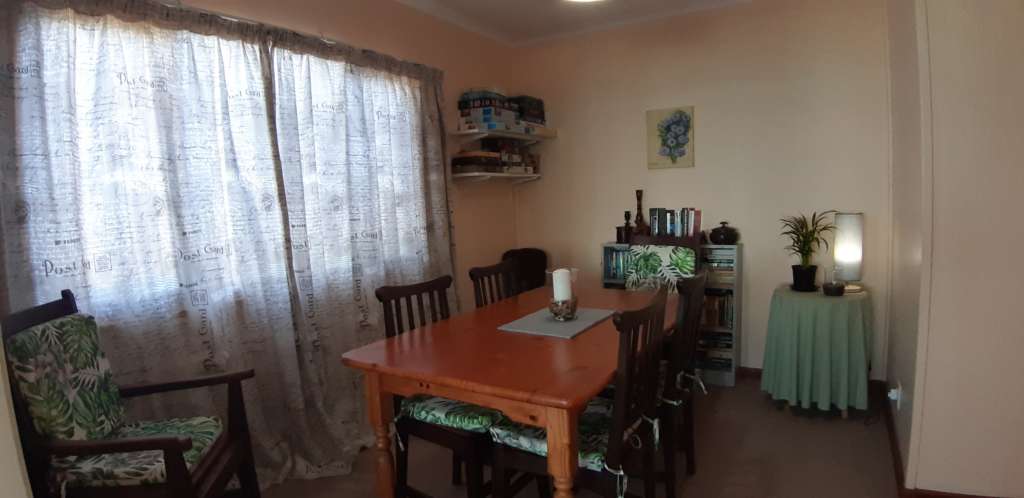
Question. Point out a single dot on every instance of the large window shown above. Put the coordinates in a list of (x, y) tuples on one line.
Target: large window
[(226, 192)]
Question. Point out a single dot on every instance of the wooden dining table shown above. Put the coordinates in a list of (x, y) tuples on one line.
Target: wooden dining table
[(535, 380)]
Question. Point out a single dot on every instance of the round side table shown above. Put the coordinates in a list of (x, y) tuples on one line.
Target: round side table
[(818, 349)]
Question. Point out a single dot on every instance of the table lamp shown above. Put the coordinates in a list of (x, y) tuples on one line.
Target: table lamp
[(849, 248)]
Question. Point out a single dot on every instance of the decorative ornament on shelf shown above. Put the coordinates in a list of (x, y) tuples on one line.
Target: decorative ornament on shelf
[(806, 236), (725, 235), (622, 234), (641, 227)]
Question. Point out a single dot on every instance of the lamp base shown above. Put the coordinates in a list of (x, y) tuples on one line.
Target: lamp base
[(854, 288)]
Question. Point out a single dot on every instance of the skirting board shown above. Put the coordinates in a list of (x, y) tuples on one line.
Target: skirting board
[(879, 389)]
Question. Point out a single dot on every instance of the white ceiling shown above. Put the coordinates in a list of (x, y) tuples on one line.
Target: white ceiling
[(521, 22)]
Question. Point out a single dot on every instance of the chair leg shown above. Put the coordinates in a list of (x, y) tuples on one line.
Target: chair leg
[(544, 487), (499, 475), (456, 470), (247, 480), (648, 475), (688, 438), (668, 449), (474, 478), (402, 465)]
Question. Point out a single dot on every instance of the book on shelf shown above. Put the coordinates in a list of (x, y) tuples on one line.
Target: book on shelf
[(715, 340), (718, 309)]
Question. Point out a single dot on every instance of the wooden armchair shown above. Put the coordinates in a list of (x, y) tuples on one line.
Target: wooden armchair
[(71, 419)]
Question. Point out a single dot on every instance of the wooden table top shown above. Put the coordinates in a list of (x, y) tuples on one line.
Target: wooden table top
[(468, 351)]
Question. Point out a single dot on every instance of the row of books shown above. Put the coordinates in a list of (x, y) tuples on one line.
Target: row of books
[(615, 266), (715, 340), (682, 223), (714, 360), (719, 309)]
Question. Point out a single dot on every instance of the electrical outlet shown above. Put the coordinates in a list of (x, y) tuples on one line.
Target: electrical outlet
[(896, 394)]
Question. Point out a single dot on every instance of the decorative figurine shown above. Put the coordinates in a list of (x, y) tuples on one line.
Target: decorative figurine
[(622, 234), (641, 226)]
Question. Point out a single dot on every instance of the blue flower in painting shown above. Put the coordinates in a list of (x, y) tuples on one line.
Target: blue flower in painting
[(674, 133)]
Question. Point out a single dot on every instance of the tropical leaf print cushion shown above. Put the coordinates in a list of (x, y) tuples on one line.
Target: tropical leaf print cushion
[(140, 467), (595, 423), (449, 413), (652, 266), (65, 379)]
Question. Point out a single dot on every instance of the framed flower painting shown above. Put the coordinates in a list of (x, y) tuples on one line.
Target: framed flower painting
[(670, 138)]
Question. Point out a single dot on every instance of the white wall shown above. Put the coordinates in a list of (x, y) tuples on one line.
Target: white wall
[(909, 224), (791, 117), (970, 435)]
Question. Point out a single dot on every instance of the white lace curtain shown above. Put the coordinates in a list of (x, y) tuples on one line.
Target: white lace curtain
[(220, 196)]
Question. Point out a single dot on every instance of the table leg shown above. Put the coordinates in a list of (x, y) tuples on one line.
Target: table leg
[(845, 413), (381, 409), (563, 450)]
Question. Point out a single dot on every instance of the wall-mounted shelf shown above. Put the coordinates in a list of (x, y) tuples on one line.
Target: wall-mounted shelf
[(513, 178), (529, 138)]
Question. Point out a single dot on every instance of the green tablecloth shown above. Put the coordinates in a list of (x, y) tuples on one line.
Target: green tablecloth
[(818, 349)]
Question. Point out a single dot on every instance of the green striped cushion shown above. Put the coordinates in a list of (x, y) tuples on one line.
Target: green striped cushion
[(449, 413)]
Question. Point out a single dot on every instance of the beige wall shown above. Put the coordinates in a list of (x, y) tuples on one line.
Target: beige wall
[(13, 481), (481, 213), (791, 117), (970, 435), (908, 227)]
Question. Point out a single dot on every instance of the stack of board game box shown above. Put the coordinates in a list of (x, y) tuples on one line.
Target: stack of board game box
[(483, 110), (496, 155)]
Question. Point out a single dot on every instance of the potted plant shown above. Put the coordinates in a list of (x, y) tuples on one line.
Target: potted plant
[(806, 236)]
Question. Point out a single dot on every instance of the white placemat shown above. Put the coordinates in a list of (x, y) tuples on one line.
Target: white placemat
[(542, 322)]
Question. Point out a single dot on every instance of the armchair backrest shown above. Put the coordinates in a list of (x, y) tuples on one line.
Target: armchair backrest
[(64, 379), (40, 344), (60, 378)]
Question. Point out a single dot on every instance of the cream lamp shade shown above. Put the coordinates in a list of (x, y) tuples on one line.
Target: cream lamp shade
[(849, 245)]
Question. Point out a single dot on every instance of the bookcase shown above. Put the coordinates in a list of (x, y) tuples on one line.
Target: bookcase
[(718, 348), (615, 261)]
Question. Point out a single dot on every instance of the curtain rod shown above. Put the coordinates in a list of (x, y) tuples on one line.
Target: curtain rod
[(178, 4)]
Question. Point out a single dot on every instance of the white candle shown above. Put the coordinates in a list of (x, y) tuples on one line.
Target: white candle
[(561, 280)]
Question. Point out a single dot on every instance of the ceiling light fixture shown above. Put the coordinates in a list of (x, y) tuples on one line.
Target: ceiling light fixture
[(585, 1)]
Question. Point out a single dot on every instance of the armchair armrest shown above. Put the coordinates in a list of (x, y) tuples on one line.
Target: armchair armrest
[(211, 380), (102, 446)]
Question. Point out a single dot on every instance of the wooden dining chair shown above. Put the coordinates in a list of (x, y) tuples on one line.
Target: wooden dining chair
[(680, 381), (532, 265), (460, 427), (618, 438), (73, 431), (496, 282)]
